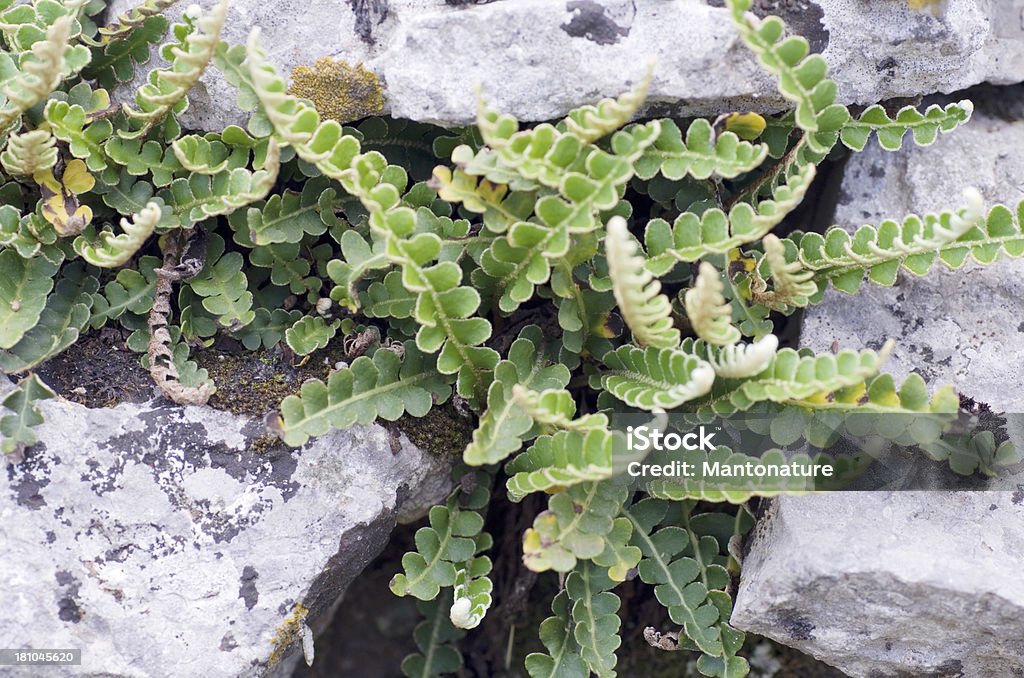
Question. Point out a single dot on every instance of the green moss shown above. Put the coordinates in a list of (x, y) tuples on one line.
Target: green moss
[(287, 633), (338, 90), (442, 431)]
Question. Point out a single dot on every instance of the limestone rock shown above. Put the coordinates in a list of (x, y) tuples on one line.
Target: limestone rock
[(155, 537), (537, 59), (960, 327), (905, 584)]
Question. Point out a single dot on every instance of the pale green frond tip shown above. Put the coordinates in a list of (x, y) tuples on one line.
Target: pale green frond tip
[(115, 250), (28, 153), (792, 284), (743, 360), (647, 312), (592, 122), (41, 73), (710, 315)]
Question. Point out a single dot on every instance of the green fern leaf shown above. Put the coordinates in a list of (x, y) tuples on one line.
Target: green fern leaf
[(594, 612), (310, 334), (41, 73), (563, 658), (16, 432), (925, 127), (126, 23), (472, 593), (70, 124), (564, 459), (384, 386), (130, 292), (267, 328), (114, 63), (701, 155), (223, 287), (433, 636), (591, 122), (23, 290), (140, 158), (110, 251)]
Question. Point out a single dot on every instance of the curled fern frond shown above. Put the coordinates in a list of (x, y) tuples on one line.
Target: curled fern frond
[(167, 87), (472, 594), (41, 73), (28, 153), (647, 312), (653, 378), (564, 459), (736, 361), (925, 127), (590, 123), (710, 314), (792, 285), (555, 408), (115, 250)]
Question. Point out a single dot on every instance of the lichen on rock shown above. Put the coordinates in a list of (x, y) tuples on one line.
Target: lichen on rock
[(338, 90)]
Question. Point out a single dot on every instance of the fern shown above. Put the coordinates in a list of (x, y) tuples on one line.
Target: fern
[(504, 425), (701, 155), (16, 434), (590, 123), (648, 313), (555, 409), (710, 315), (791, 285), (223, 287), (596, 624), (40, 73), (127, 22), (23, 290), (653, 379), (913, 246), (472, 593), (114, 62), (167, 87), (433, 636), (802, 78), (563, 659), (28, 153), (383, 386), (65, 315), (925, 127), (115, 250), (309, 334), (70, 123), (735, 361), (567, 458), (692, 237)]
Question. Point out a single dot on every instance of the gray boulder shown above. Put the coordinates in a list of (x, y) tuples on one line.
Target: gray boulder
[(181, 541), (537, 59), (895, 584), (959, 327)]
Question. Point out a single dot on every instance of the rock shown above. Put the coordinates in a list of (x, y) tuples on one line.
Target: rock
[(537, 59), (154, 537), (960, 327), (912, 584)]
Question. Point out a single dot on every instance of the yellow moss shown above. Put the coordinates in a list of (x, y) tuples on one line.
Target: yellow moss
[(287, 633), (338, 90)]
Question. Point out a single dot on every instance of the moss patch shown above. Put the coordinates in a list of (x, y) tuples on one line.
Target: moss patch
[(338, 90), (442, 431)]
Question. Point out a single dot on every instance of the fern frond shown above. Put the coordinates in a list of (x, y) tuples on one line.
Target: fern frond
[(41, 73), (434, 635), (141, 158), (66, 314), (925, 127), (127, 22), (28, 153), (555, 408), (652, 378), (647, 312), (167, 87), (556, 633), (23, 289), (792, 285), (576, 526), (710, 314), (19, 415), (701, 155), (115, 250), (590, 123), (594, 612), (794, 376), (70, 123), (472, 593), (383, 386), (309, 334), (561, 460), (913, 246), (504, 425), (691, 237), (735, 361), (114, 63), (802, 78)]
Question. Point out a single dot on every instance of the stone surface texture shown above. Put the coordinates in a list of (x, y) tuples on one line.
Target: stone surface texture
[(892, 584), (961, 327), (161, 541), (537, 59)]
